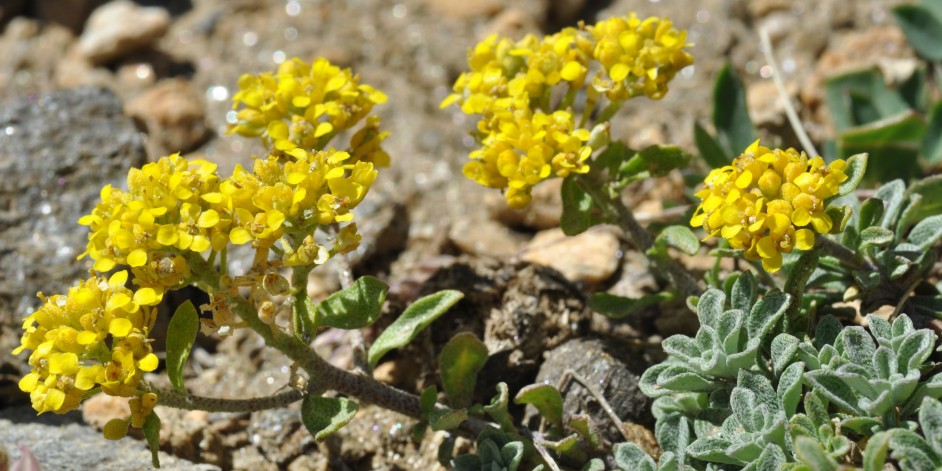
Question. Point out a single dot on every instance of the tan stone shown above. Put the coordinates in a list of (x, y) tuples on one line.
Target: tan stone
[(174, 116), (120, 27), (590, 257), (463, 9), (100, 408), (543, 212)]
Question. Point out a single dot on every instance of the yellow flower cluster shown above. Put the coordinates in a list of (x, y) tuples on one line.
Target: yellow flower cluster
[(526, 137), (173, 207), (176, 211), (769, 202), (305, 105), (95, 336)]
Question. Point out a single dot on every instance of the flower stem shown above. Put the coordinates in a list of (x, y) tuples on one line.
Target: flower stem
[(325, 376), (795, 287), (638, 235), (846, 256), (171, 398)]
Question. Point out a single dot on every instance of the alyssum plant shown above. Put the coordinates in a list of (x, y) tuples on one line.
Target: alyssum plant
[(771, 380)]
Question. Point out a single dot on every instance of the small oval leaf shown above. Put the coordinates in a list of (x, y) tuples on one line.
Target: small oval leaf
[(546, 399), (181, 334), (323, 416), (151, 431), (461, 360), (355, 307), (415, 318), (856, 167)]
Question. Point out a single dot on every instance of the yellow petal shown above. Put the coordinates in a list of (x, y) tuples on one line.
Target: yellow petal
[(772, 264), (148, 363), (208, 218), (29, 382), (766, 247), (120, 327), (147, 297), (800, 217), (137, 258), (822, 223), (804, 239), (239, 236), (744, 179)]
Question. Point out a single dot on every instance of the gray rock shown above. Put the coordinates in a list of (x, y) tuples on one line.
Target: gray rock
[(57, 150), (58, 442), (614, 370)]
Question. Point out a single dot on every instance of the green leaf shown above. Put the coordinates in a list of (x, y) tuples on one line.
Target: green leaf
[(871, 212), (930, 419), (834, 389), (712, 449), (926, 233), (415, 318), (860, 97), (649, 381), (826, 331), (809, 452), (617, 307), (930, 204), (322, 416), (460, 361), (771, 458), (580, 211), (789, 387), (427, 400), (447, 419), (858, 345), (151, 431), (784, 349), (630, 457), (744, 292), (710, 306), (730, 114), (680, 378), (912, 451), (679, 237), (181, 334), (932, 143), (922, 29), (582, 424), (710, 150), (658, 160), (856, 168), (673, 434), (841, 215), (355, 307), (497, 409), (546, 399), (596, 464), (766, 313), (891, 193), (892, 143), (874, 456)]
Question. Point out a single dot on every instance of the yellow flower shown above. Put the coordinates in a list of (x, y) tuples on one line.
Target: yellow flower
[(769, 202), (167, 209), (97, 335), (303, 106), (527, 149), (640, 57), (526, 93)]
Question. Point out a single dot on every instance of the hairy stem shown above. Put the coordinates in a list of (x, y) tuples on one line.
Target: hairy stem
[(171, 398), (680, 278), (325, 376), (795, 287), (846, 256)]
